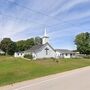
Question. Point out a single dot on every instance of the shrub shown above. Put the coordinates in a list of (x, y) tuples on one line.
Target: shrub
[(29, 56), (53, 58), (57, 61), (2, 54), (87, 56)]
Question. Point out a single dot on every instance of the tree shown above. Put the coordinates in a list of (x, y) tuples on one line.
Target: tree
[(23, 45), (29, 43), (82, 42), (20, 45), (8, 46), (12, 48), (38, 40)]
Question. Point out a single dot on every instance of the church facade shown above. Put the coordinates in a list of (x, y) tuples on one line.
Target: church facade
[(41, 51), (45, 50)]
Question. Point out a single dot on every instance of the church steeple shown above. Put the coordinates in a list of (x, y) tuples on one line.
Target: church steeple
[(45, 33), (45, 37)]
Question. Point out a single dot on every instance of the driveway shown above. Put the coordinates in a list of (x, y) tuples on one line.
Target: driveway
[(78, 79)]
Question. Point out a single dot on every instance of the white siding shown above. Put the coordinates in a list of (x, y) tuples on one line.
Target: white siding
[(64, 55), (67, 56), (44, 40), (42, 53), (18, 54)]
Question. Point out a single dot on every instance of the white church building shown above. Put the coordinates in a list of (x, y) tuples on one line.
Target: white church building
[(45, 50)]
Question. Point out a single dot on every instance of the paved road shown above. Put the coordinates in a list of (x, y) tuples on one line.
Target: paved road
[(78, 79)]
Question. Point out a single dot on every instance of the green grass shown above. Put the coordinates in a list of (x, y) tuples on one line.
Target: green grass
[(14, 70)]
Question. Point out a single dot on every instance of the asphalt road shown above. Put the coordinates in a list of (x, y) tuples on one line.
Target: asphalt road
[(78, 79)]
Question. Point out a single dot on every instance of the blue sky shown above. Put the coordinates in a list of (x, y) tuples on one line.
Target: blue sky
[(64, 19)]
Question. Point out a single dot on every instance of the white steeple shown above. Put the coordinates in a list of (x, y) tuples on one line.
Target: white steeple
[(45, 37), (45, 33)]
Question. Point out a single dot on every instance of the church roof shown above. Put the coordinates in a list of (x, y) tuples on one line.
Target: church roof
[(64, 51), (34, 48), (37, 48)]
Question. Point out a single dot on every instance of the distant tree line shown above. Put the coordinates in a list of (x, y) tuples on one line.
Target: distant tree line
[(82, 42), (9, 46)]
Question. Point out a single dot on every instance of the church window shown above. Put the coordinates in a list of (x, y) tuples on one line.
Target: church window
[(66, 54)]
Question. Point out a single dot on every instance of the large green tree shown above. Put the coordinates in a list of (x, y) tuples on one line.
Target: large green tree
[(29, 43), (20, 45), (8, 46), (38, 41), (23, 45), (82, 42)]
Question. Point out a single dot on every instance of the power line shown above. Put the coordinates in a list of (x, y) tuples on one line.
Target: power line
[(19, 19), (26, 20), (35, 11), (29, 9)]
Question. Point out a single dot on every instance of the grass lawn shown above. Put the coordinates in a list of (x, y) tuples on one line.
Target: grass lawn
[(16, 69)]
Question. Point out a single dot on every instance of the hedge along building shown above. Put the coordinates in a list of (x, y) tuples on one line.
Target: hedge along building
[(45, 50)]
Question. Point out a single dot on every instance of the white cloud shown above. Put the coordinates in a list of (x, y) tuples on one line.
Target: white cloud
[(10, 28), (24, 23), (70, 31), (77, 16), (68, 5)]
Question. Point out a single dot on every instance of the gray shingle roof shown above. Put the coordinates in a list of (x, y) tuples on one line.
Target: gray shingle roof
[(64, 51), (37, 48)]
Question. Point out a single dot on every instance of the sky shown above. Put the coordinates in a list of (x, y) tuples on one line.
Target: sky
[(63, 19)]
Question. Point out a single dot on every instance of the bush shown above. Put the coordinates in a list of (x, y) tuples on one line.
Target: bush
[(57, 61), (87, 56), (29, 56), (53, 58), (2, 54)]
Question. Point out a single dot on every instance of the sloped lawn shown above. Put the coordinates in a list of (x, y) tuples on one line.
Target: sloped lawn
[(14, 70)]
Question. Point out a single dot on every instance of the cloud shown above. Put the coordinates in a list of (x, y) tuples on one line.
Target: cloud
[(68, 31), (77, 16), (10, 28), (70, 4), (65, 17)]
